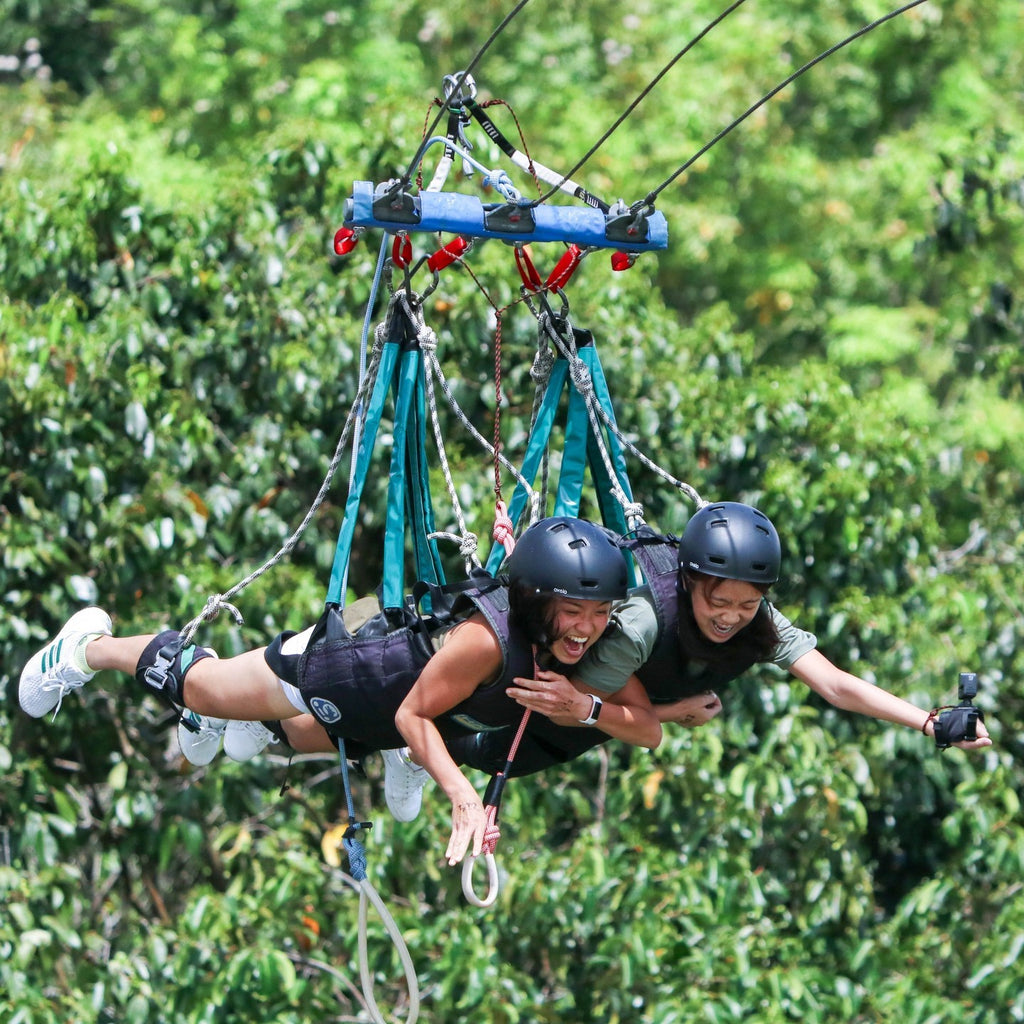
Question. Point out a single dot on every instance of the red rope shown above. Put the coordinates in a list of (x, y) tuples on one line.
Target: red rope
[(491, 831), (519, 732)]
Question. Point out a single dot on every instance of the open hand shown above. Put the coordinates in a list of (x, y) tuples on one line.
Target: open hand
[(691, 712), (469, 820), (551, 694)]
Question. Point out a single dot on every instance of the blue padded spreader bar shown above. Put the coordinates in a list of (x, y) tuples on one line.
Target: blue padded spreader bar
[(460, 214)]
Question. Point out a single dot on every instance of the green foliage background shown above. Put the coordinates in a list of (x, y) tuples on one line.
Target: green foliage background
[(834, 333)]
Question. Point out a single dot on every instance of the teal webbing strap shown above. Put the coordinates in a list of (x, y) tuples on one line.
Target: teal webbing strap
[(389, 355), (401, 371), (537, 445), (393, 579), (574, 457), (611, 510), (580, 451), (426, 556)]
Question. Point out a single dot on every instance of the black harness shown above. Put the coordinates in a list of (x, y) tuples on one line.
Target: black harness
[(354, 682), (683, 662)]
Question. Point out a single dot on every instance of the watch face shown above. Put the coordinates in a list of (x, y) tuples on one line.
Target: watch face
[(595, 710)]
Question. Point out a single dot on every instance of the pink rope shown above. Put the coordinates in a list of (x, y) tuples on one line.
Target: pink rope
[(502, 532), (491, 833), (519, 732)]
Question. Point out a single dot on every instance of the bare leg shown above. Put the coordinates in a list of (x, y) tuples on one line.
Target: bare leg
[(307, 736), (116, 652), (244, 688)]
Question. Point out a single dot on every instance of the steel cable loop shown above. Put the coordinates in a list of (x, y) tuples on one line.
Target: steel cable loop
[(465, 75)]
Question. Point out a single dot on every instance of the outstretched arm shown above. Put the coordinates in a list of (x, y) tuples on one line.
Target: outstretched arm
[(851, 693)]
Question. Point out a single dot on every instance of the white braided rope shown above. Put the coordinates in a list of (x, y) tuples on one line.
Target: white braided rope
[(427, 340), (579, 374), (218, 601), (436, 375)]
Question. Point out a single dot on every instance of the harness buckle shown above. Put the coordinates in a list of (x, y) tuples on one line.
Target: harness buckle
[(157, 673)]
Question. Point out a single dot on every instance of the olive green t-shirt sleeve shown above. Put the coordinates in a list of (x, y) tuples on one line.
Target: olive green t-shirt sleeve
[(627, 644)]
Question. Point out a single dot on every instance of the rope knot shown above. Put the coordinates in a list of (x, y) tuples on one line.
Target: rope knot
[(213, 607), (580, 376), (468, 545), (491, 836), (503, 528), (543, 361), (427, 339), (633, 510), (356, 853)]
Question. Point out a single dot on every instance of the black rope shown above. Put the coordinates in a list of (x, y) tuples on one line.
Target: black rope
[(651, 196), (457, 88), (639, 99)]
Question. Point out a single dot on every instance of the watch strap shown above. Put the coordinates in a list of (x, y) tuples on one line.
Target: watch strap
[(595, 710)]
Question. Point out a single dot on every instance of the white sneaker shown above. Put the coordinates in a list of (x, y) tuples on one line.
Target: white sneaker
[(244, 740), (60, 666), (403, 784), (200, 748)]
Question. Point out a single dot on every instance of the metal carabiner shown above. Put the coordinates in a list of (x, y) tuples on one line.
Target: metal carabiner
[(401, 250), (527, 271), (565, 268)]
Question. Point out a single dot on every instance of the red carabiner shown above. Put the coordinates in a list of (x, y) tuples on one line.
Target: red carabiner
[(527, 271), (448, 254), (565, 268), (623, 260), (345, 240), (401, 251)]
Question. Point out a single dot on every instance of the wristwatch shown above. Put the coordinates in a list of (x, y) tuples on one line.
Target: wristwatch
[(594, 711)]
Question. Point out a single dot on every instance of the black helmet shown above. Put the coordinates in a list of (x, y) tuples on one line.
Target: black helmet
[(571, 558), (733, 541)]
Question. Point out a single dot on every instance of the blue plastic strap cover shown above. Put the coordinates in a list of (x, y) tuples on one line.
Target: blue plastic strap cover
[(459, 214)]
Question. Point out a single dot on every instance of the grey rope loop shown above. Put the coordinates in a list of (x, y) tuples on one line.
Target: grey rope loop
[(427, 341), (214, 604), (356, 854), (581, 380)]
